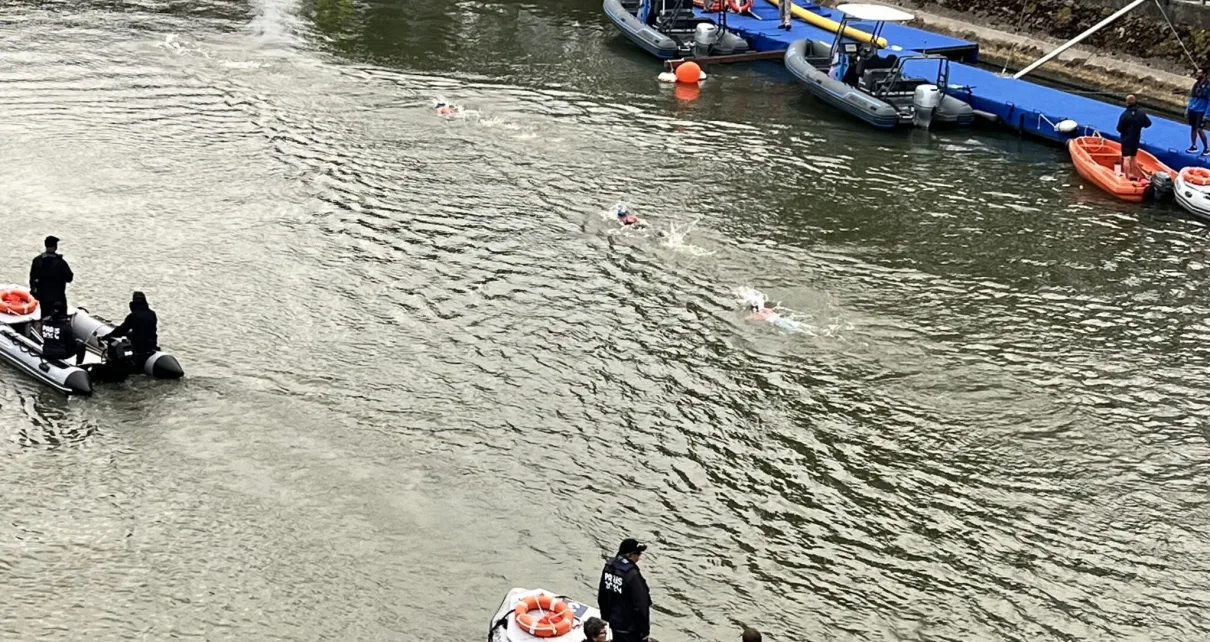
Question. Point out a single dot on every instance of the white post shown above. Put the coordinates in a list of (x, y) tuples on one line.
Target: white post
[(1067, 45)]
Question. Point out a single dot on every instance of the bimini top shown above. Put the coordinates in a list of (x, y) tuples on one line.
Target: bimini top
[(874, 13)]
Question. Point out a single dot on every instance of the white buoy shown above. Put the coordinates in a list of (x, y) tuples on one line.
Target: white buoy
[(666, 76), (1067, 126)]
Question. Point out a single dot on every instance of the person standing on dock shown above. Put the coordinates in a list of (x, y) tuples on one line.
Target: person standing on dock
[(783, 12), (1130, 126), (1195, 113)]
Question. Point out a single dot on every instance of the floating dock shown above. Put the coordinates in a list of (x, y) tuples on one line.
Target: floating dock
[(1022, 105)]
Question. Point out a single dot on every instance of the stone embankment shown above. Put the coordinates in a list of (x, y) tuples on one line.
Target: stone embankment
[(1138, 54)]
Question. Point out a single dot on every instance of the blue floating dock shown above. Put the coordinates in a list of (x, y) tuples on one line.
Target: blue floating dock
[(1022, 105)]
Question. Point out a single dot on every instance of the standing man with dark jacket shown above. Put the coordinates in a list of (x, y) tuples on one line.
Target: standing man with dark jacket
[(49, 276), (1131, 125), (623, 597)]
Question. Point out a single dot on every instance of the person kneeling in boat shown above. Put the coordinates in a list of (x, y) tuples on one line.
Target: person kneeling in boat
[(58, 341), (140, 325)]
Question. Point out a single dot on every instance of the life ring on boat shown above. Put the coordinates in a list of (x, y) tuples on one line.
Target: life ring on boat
[(558, 620), (18, 302), (740, 6), (1196, 175)]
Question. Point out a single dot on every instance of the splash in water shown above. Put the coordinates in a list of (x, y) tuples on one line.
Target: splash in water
[(173, 44), (674, 239)]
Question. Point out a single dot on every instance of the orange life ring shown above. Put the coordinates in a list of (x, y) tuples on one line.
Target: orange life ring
[(558, 619), (740, 6), (1196, 175), (17, 302)]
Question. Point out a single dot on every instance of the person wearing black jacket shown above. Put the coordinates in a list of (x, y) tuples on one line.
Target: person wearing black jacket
[(623, 597), (140, 325), (49, 275), (1131, 124), (58, 341)]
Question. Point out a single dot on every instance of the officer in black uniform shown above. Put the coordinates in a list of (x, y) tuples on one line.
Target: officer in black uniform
[(623, 596), (58, 341), (48, 277), (140, 326)]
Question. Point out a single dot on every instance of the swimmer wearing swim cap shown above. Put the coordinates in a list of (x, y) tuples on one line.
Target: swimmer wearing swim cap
[(625, 218), (444, 109)]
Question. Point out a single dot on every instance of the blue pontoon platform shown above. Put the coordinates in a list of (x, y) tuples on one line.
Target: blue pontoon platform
[(1027, 107), (763, 34)]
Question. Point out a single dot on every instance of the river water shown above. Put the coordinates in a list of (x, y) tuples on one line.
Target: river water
[(423, 367)]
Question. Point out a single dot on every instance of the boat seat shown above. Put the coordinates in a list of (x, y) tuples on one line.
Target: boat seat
[(872, 77)]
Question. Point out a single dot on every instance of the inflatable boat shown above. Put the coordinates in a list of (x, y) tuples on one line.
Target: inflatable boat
[(1193, 191), (885, 97), (533, 615), (1099, 160), (105, 360), (671, 29)]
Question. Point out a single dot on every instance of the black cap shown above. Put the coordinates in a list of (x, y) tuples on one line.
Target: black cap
[(139, 297), (52, 241), (631, 545)]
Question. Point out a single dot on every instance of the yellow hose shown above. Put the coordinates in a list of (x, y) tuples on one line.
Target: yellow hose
[(830, 25)]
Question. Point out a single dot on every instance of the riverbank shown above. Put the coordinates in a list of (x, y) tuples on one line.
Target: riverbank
[(1014, 33)]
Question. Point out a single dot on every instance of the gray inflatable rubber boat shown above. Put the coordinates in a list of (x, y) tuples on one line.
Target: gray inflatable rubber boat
[(104, 360), (505, 628), (884, 97), (675, 31)]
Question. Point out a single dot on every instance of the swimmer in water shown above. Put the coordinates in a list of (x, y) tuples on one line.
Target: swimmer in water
[(767, 312), (627, 219), (763, 312), (444, 109)]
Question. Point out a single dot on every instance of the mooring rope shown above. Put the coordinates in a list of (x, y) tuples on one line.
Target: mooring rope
[(1008, 58), (1171, 26)]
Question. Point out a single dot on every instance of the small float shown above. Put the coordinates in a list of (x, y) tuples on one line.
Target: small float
[(1192, 188), (105, 360), (1099, 160), (670, 29), (528, 615), (886, 92)]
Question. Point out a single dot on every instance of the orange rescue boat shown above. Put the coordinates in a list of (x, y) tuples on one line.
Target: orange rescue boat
[(1098, 160)]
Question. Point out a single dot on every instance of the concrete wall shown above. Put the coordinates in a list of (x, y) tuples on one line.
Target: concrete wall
[(1142, 33)]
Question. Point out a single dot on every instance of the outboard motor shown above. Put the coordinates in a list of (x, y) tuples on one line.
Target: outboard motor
[(1162, 188), (705, 35), (926, 100)]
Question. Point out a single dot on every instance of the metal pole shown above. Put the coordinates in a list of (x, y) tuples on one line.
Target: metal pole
[(1067, 45)]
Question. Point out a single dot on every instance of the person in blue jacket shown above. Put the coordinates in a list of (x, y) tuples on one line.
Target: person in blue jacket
[(1195, 113)]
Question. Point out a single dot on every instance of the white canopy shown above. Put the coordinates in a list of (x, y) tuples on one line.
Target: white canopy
[(874, 13)]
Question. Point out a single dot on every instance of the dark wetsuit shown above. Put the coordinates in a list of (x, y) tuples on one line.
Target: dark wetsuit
[(1131, 125), (624, 600)]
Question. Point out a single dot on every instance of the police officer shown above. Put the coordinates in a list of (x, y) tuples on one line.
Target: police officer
[(140, 325), (49, 276), (623, 596), (58, 341)]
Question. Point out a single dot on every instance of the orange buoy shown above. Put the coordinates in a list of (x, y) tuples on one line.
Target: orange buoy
[(556, 621), (18, 302), (689, 73)]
